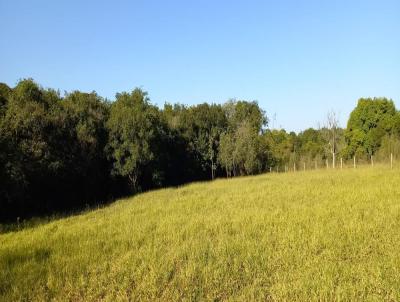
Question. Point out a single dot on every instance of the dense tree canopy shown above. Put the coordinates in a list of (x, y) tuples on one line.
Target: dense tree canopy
[(133, 127), (60, 153), (369, 123)]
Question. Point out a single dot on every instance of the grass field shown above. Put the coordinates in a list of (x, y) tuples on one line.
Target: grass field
[(318, 235)]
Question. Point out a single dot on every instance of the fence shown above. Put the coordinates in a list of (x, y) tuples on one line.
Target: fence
[(340, 163)]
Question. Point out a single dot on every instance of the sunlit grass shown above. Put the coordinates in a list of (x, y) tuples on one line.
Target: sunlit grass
[(318, 235)]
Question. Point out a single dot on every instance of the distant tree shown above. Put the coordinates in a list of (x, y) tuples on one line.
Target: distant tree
[(247, 151), (226, 154), (369, 122), (390, 145), (85, 137), (28, 130), (5, 94), (239, 111), (5, 151), (202, 127), (312, 144), (132, 128), (241, 149), (213, 142), (285, 148), (330, 132), (179, 158), (61, 153)]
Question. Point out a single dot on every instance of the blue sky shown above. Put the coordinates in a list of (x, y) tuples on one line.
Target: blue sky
[(297, 59)]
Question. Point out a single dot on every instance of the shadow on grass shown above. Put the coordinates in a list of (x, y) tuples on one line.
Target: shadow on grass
[(12, 260), (40, 219)]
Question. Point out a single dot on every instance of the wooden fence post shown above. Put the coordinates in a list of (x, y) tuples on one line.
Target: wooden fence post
[(341, 163), (354, 161), (391, 160)]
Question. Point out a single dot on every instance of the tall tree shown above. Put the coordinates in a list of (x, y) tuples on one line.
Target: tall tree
[(312, 144), (369, 122), (240, 149), (203, 125), (247, 149), (29, 127), (226, 154), (85, 116), (133, 126), (239, 111), (331, 134), (5, 93)]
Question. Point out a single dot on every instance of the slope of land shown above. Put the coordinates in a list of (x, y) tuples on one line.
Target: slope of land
[(318, 235)]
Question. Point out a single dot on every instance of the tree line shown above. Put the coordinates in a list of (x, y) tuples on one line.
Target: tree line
[(64, 152)]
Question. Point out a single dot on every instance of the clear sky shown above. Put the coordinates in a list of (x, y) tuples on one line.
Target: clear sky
[(298, 59)]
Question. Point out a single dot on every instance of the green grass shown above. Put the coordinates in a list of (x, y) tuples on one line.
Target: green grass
[(318, 235)]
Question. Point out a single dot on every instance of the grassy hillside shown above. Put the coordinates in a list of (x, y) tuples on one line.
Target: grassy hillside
[(321, 235)]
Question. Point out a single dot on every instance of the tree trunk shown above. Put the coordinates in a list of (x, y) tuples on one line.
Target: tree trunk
[(212, 169), (133, 181)]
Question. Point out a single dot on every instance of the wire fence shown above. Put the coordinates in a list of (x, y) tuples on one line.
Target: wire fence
[(338, 163)]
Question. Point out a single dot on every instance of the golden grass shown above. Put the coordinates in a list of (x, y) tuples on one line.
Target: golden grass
[(318, 235)]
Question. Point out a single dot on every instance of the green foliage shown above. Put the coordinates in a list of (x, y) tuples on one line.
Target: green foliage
[(27, 133), (390, 145), (226, 154), (83, 121), (5, 93), (133, 128), (285, 148), (312, 143), (247, 149), (239, 111), (92, 150), (48, 141), (369, 122), (87, 113), (240, 151), (203, 125)]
